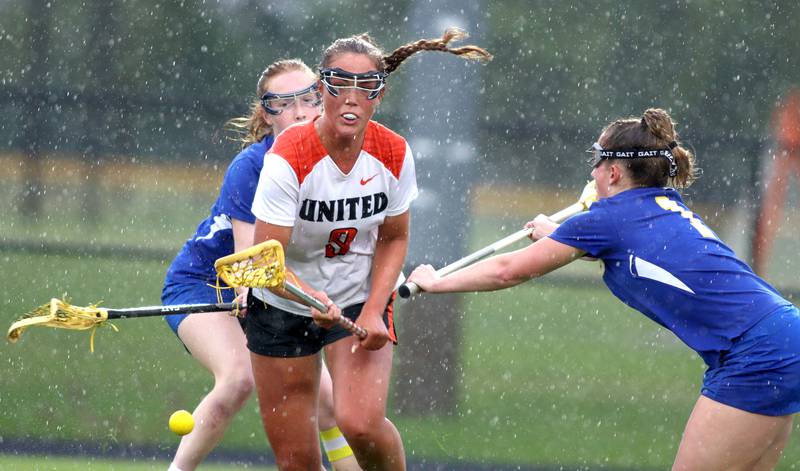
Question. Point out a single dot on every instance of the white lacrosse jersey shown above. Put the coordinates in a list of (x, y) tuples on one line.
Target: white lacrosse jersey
[(335, 216)]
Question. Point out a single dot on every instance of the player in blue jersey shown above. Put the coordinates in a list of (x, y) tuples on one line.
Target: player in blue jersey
[(287, 93), (663, 261)]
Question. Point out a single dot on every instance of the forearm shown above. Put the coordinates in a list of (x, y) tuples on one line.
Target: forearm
[(389, 257), (508, 269), (243, 233), (487, 275), (242, 239)]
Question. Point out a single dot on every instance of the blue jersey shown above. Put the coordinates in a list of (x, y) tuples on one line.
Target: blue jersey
[(663, 261), (214, 236)]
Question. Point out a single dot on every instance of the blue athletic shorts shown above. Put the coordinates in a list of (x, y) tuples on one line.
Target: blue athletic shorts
[(761, 372), (197, 292)]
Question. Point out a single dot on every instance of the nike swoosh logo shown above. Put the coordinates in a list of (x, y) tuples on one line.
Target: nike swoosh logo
[(364, 181)]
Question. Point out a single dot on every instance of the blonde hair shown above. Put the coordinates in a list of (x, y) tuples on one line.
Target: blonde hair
[(253, 128), (655, 130), (388, 63)]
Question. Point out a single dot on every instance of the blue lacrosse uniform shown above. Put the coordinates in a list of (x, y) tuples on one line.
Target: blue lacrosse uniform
[(662, 260), (191, 276)]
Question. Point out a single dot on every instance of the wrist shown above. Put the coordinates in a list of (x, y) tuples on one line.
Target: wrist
[(372, 310), (433, 285)]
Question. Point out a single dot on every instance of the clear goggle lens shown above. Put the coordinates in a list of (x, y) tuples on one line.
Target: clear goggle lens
[(596, 157), (276, 103), (336, 80)]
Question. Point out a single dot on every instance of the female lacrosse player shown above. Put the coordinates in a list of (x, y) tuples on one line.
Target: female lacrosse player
[(287, 93), (662, 260), (336, 196)]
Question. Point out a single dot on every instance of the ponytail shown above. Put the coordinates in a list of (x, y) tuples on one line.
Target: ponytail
[(659, 123), (364, 44), (470, 52)]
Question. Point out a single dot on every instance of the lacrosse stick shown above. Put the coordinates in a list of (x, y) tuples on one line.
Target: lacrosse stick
[(263, 266), (588, 196), (62, 315)]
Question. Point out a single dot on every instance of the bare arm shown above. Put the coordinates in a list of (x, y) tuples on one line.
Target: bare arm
[(390, 254), (242, 234), (502, 271), (242, 239)]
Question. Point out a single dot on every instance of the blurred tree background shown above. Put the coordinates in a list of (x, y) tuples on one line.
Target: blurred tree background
[(165, 75), (147, 81), (113, 112)]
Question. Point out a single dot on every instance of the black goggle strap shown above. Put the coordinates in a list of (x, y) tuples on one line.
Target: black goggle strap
[(267, 97), (599, 154), (327, 74)]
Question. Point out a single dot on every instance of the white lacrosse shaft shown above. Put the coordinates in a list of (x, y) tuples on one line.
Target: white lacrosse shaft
[(410, 289)]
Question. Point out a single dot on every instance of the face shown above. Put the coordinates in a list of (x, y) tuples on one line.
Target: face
[(602, 174), (292, 110), (348, 113)]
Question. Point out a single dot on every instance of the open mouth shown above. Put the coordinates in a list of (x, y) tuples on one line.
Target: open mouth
[(350, 117)]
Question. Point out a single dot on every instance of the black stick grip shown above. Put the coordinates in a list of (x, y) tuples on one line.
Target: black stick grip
[(152, 311)]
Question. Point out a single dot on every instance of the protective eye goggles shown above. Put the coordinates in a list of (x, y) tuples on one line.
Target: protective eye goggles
[(599, 154), (336, 80), (276, 103)]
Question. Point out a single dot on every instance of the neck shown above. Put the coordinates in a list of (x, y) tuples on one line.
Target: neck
[(616, 189), (343, 148)]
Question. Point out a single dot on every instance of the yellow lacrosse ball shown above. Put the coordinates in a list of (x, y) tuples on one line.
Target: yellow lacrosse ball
[(181, 422)]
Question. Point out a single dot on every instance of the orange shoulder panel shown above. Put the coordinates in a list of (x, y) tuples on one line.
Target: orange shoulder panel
[(386, 146), (300, 146)]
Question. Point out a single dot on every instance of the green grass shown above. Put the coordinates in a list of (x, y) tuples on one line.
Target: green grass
[(161, 218), (56, 389), (559, 375), (551, 374), (49, 463)]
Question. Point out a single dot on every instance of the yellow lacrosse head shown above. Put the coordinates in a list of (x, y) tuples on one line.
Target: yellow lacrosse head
[(260, 266), (588, 195), (61, 315)]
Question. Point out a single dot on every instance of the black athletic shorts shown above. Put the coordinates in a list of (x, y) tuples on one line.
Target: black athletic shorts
[(274, 332)]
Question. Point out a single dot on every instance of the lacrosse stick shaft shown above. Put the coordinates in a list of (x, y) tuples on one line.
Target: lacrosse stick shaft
[(151, 311), (311, 301), (408, 290)]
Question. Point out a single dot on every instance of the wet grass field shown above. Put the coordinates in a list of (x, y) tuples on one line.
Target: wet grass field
[(552, 374)]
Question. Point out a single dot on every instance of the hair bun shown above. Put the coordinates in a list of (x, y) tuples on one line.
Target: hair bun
[(659, 123)]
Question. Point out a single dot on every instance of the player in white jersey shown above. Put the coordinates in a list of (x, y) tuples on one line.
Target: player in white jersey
[(337, 197), (287, 93)]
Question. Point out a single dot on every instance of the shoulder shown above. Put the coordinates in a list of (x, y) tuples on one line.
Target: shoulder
[(595, 216), (251, 158), (300, 147), (595, 220), (387, 146)]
